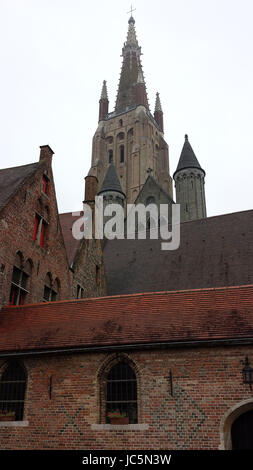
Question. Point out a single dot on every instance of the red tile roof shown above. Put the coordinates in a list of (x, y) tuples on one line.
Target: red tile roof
[(176, 316)]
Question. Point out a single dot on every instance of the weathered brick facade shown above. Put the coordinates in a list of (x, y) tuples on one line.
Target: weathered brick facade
[(187, 420), (17, 226), (17, 221)]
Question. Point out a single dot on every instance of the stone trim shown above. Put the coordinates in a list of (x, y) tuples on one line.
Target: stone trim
[(119, 427), (14, 424), (226, 423)]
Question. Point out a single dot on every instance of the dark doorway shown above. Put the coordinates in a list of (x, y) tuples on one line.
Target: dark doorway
[(242, 431)]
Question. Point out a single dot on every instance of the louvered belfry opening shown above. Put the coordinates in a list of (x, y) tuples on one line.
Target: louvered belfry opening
[(12, 390), (121, 392)]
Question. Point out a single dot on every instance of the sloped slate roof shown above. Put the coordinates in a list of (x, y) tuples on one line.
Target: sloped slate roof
[(169, 317), (71, 244), (216, 251), (12, 178), (187, 158), (111, 181)]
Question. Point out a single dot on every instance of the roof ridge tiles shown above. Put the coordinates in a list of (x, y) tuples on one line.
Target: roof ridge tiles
[(125, 296)]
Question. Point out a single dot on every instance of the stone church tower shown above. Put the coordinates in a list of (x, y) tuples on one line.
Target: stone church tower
[(131, 137)]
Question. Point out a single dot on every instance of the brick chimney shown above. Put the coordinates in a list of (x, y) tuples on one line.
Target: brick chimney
[(46, 152), (91, 187)]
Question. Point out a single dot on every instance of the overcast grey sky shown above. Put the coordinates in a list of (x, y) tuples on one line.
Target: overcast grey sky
[(55, 54)]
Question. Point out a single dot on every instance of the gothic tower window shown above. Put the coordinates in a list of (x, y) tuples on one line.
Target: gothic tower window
[(12, 390), (110, 156), (121, 392), (19, 282), (150, 200), (122, 153)]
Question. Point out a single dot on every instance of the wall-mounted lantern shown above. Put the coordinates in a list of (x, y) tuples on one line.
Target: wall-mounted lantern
[(247, 373)]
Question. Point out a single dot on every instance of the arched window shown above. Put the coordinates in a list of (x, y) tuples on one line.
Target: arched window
[(50, 289), (150, 200), (80, 292), (110, 156), (20, 279), (12, 390), (45, 184), (121, 392), (122, 153)]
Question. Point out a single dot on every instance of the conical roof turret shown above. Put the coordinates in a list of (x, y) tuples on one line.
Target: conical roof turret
[(111, 181), (187, 158)]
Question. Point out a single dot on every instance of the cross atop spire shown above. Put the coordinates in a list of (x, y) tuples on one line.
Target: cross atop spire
[(131, 11)]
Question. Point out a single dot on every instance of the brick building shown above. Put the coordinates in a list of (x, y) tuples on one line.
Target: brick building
[(181, 355), (89, 331), (37, 262)]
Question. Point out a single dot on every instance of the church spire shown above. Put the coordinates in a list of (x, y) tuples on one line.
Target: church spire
[(131, 34), (103, 103), (104, 95), (131, 73), (158, 106), (158, 114)]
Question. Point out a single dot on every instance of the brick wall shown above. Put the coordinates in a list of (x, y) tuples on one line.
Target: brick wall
[(207, 384), (89, 270), (16, 234)]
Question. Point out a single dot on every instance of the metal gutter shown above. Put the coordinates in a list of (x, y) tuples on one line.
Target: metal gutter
[(133, 347)]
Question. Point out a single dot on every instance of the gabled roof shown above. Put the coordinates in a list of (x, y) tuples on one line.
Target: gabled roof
[(111, 181), (172, 318), (187, 158), (12, 178), (151, 179)]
